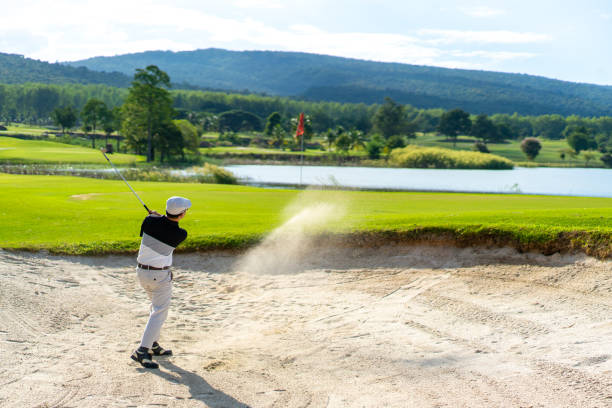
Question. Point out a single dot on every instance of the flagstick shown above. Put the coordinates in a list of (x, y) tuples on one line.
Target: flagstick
[(302, 160)]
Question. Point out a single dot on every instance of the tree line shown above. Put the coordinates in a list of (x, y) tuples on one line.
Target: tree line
[(181, 114)]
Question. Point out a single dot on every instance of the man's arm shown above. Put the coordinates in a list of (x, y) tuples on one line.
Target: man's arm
[(153, 212)]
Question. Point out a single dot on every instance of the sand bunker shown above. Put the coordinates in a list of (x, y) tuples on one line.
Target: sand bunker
[(395, 326)]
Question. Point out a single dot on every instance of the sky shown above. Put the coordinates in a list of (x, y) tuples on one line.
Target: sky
[(561, 39)]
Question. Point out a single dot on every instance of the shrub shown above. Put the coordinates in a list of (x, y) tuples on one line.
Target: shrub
[(581, 140), (481, 147), (531, 147), (440, 158), (214, 174), (230, 137), (396, 142), (606, 159), (374, 148)]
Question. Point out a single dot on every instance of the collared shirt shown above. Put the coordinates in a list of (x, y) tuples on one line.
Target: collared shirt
[(160, 236)]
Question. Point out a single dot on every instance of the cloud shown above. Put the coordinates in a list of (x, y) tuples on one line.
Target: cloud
[(484, 37), (259, 4), (497, 56), (482, 12), (117, 27)]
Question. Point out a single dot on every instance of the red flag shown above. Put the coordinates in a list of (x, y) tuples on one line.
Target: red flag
[(300, 127)]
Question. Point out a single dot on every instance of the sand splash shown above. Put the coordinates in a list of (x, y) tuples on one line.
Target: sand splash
[(284, 250)]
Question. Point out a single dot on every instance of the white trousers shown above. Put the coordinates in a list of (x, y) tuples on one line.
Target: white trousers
[(158, 285)]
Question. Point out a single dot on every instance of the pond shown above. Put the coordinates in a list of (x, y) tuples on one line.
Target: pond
[(541, 180)]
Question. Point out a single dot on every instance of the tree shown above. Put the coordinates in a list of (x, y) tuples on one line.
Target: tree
[(504, 132), (453, 123), (237, 120), (395, 142), (191, 138), (374, 147), (273, 120), (169, 140), (531, 147), (484, 128), (111, 122), (93, 114), (148, 107), (580, 140), (278, 136), (606, 159), (44, 99), (64, 117), (330, 138), (358, 139), (389, 119), (549, 126), (343, 143)]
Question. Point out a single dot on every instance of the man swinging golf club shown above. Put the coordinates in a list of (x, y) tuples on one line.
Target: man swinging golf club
[(160, 236)]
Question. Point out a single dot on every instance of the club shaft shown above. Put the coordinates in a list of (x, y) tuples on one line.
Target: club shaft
[(125, 181)]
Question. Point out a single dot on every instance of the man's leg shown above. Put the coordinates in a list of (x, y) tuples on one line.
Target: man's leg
[(160, 293)]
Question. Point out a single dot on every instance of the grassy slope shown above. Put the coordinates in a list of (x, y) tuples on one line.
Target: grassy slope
[(549, 155), (17, 128), (43, 212), (34, 151)]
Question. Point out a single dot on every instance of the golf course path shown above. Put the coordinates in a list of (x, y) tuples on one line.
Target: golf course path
[(392, 326)]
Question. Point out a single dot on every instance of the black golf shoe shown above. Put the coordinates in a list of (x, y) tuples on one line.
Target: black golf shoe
[(145, 358), (159, 350)]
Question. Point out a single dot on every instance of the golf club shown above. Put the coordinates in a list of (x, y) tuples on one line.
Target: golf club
[(122, 178)]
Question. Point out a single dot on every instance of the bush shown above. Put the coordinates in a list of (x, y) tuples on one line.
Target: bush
[(531, 147), (210, 173), (396, 142), (439, 158), (374, 148), (481, 147), (606, 159), (580, 141)]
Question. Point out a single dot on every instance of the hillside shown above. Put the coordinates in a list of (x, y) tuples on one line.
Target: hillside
[(321, 77), (15, 69)]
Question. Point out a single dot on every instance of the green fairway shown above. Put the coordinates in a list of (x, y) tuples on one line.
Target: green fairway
[(34, 151), (18, 128), (549, 155), (76, 215)]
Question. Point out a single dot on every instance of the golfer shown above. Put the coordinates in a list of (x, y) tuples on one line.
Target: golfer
[(160, 236)]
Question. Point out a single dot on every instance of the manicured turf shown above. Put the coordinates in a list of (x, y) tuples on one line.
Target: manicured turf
[(18, 128), (76, 215), (34, 151), (549, 154)]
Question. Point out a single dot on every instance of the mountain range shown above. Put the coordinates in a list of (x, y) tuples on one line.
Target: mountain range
[(322, 77)]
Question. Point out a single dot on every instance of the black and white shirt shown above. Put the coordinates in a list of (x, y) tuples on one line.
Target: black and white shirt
[(159, 238)]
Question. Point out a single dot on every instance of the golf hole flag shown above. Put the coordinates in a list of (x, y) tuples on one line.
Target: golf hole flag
[(300, 128)]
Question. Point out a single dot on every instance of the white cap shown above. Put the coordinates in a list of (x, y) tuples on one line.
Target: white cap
[(176, 205)]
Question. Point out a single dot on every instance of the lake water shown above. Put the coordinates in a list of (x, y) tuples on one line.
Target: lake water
[(549, 181)]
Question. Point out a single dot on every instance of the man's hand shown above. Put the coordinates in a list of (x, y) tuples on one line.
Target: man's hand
[(153, 212)]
